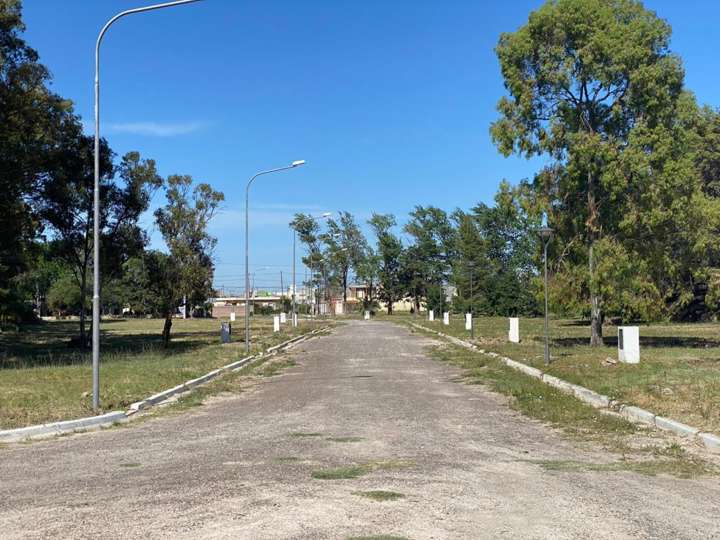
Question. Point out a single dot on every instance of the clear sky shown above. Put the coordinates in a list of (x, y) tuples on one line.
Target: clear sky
[(388, 101)]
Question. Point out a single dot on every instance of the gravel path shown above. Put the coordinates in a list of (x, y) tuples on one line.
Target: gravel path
[(241, 466)]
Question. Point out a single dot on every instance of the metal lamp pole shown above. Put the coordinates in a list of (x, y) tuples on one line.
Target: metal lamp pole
[(96, 196), (546, 234), (247, 245)]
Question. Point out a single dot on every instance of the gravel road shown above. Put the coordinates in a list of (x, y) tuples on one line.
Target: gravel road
[(241, 466)]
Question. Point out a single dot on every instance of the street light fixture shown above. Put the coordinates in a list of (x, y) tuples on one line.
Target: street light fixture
[(546, 234), (293, 165), (96, 196)]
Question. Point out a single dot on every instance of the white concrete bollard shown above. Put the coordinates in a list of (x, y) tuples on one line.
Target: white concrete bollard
[(468, 321), (446, 318), (283, 317), (294, 319), (431, 315), (514, 333), (367, 316), (232, 316), (629, 344), (276, 323)]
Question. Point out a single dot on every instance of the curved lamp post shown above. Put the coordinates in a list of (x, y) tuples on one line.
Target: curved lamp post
[(96, 196), (293, 165), (546, 234)]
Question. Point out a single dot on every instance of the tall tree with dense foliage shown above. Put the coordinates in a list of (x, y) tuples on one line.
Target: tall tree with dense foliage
[(32, 120), (389, 256), (346, 249), (66, 208), (308, 231), (186, 272), (581, 76), (428, 261)]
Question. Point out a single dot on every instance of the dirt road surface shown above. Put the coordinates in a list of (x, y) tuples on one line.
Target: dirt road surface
[(366, 397)]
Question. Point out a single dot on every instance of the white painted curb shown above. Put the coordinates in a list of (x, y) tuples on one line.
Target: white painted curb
[(58, 428), (95, 422), (599, 401)]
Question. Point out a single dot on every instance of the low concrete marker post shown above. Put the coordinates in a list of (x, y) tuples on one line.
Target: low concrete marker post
[(367, 316), (295, 319), (446, 318), (468, 321), (232, 316), (629, 344), (276, 323), (283, 317), (431, 315), (514, 333)]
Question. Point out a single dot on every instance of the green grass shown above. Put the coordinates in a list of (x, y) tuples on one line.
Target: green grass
[(43, 379), (305, 434), (577, 419), (341, 473), (271, 369), (355, 470), (345, 439), (678, 375), (380, 495)]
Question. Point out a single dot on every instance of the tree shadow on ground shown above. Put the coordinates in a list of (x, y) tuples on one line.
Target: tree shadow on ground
[(50, 344), (648, 341)]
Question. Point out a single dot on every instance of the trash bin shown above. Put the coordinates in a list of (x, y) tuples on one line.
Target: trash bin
[(225, 332)]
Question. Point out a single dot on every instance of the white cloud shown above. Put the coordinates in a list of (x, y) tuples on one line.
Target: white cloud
[(154, 129)]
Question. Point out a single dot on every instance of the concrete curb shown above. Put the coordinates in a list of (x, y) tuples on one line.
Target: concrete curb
[(203, 379), (58, 428), (95, 422), (598, 401)]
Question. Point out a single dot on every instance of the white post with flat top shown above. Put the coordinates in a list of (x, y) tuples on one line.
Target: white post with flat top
[(431, 315), (276, 323), (514, 333), (629, 344), (446, 318)]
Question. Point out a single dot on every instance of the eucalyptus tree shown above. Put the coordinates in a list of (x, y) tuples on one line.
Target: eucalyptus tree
[(581, 76), (187, 270), (389, 257), (346, 248)]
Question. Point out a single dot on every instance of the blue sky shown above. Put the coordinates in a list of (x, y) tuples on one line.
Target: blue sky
[(388, 101)]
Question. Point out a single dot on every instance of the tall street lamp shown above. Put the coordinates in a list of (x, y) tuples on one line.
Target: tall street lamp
[(294, 305), (546, 234), (293, 165), (96, 196)]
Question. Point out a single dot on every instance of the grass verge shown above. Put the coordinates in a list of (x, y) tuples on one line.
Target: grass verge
[(42, 379), (678, 375), (577, 419)]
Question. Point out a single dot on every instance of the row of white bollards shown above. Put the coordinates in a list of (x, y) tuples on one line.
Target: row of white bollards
[(628, 336)]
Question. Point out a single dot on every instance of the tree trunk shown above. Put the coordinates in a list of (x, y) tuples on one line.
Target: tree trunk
[(166, 330), (596, 337)]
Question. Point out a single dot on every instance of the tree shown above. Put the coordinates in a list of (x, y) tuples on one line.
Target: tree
[(31, 122), (308, 231), (427, 261), (346, 248), (66, 207), (187, 271), (582, 75), (389, 251)]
